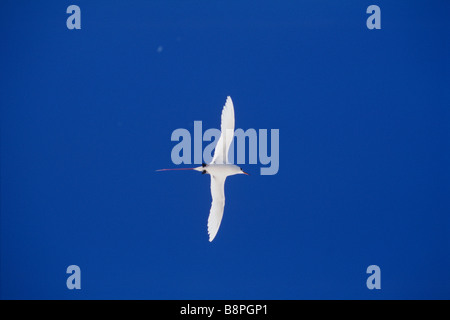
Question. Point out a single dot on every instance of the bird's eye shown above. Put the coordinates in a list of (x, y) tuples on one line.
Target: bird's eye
[(240, 168)]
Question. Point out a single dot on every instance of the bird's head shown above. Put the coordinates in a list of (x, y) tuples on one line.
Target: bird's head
[(242, 171)]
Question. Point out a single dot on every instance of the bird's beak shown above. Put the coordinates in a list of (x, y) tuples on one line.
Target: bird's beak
[(245, 173)]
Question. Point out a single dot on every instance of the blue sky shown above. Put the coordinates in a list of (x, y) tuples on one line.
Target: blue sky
[(87, 115)]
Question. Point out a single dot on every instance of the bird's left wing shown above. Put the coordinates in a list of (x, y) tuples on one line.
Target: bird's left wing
[(217, 206), (226, 135)]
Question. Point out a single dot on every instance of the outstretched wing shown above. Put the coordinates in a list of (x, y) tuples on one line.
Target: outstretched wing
[(226, 135), (217, 206)]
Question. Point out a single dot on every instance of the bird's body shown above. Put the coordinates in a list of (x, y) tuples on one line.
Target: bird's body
[(219, 169)]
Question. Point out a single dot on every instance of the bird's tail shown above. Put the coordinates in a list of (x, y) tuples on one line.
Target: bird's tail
[(176, 169), (201, 169)]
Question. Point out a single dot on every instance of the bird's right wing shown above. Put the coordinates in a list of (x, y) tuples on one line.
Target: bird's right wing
[(217, 206), (226, 135)]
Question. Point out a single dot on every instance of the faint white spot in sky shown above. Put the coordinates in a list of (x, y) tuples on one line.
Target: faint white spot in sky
[(160, 49)]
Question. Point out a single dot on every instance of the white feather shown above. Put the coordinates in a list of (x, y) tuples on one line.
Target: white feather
[(217, 205), (227, 134), (219, 169), (218, 176)]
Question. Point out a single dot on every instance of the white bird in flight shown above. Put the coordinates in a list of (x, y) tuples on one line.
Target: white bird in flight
[(219, 169)]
